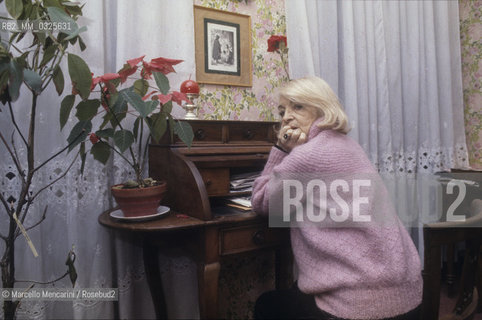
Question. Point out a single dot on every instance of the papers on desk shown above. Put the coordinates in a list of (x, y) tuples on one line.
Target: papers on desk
[(243, 182), (239, 183), (243, 203), (234, 205)]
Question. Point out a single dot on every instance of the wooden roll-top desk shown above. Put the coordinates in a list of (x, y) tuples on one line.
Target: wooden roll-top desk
[(200, 175), (199, 183)]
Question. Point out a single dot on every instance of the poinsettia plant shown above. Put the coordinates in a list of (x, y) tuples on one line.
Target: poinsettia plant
[(128, 105), (279, 44)]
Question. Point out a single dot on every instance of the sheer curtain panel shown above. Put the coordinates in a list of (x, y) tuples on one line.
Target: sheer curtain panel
[(396, 67), (118, 30)]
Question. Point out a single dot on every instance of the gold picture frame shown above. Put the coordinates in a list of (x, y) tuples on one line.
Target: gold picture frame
[(223, 47)]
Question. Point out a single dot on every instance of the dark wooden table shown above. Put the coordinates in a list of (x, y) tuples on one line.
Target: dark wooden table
[(208, 241)]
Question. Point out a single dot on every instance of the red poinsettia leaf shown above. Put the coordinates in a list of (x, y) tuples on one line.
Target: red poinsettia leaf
[(110, 87), (162, 60), (109, 76), (164, 98), (135, 61), (144, 98), (126, 72), (163, 65), (146, 71), (178, 97), (95, 81)]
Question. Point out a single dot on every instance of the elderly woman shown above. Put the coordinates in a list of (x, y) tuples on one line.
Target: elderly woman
[(368, 269)]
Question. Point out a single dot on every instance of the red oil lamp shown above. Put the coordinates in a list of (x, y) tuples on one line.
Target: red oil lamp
[(191, 89), (190, 86)]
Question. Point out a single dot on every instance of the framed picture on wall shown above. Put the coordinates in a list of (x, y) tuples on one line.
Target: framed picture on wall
[(223, 47)]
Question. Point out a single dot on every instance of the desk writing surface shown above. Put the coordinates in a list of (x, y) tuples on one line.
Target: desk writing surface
[(174, 221)]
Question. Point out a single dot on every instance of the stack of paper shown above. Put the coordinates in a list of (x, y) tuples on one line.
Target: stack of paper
[(243, 182), (243, 203)]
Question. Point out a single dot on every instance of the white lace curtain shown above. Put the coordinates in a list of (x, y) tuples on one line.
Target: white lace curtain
[(118, 30), (396, 66)]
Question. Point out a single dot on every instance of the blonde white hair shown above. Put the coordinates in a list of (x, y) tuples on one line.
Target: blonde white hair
[(315, 92)]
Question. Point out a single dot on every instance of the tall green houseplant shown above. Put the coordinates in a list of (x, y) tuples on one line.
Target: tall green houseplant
[(36, 67)]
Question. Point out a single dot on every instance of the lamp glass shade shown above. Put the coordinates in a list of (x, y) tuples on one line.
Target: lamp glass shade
[(189, 86)]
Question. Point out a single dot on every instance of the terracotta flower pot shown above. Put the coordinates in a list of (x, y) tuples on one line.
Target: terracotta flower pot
[(138, 202)]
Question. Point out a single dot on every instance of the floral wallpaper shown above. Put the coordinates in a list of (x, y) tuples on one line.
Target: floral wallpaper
[(471, 43), (259, 101)]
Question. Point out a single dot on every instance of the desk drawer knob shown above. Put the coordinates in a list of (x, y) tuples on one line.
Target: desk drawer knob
[(259, 237), (248, 134), (199, 134)]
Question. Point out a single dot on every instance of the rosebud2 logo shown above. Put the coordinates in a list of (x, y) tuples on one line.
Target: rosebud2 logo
[(319, 194)]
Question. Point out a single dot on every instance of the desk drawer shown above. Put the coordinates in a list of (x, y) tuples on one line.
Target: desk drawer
[(247, 238), (207, 133), (249, 132), (216, 180)]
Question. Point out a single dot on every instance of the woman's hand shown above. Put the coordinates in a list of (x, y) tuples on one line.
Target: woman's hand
[(288, 138)]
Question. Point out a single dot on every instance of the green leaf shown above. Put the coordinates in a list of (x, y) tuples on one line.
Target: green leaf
[(14, 8), (162, 82), (33, 80), (27, 10), (101, 152), (83, 155), (167, 108), (49, 53), (59, 15), (141, 86), (107, 117), (79, 133), (70, 264), (151, 105), (157, 126), (82, 44), (15, 80), (117, 103), (76, 33), (4, 95), (136, 102), (123, 139), (87, 109), (80, 74), (136, 127), (65, 108), (52, 3), (3, 79), (184, 132), (114, 121), (58, 78), (73, 9), (105, 133), (42, 37)]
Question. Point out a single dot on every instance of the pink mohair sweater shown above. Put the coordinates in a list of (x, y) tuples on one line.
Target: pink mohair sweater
[(371, 272)]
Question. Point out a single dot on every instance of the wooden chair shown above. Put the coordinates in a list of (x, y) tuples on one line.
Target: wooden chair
[(439, 234)]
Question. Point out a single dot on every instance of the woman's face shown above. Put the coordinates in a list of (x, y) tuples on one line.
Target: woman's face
[(297, 116)]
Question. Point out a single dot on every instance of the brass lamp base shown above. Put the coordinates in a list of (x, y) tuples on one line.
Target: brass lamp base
[(190, 107)]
